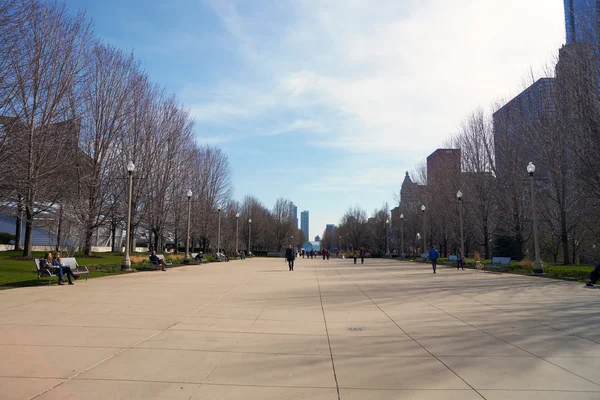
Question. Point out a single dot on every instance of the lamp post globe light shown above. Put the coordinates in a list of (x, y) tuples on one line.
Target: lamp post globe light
[(126, 263), (459, 197), (249, 235), (538, 268), (186, 260), (219, 231), (423, 208), (237, 231), (402, 235)]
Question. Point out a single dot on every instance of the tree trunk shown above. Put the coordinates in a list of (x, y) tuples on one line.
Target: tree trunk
[(113, 241), (28, 233), (564, 237), (87, 248), (19, 223), (59, 230), (28, 225)]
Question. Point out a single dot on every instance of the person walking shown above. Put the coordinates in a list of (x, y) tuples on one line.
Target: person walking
[(594, 275), (433, 257), (362, 255), (460, 263), (290, 255), (355, 255), (324, 253)]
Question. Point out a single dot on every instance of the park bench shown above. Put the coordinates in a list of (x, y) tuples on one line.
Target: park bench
[(498, 264), (451, 259), (161, 257), (274, 254), (194, 255), (71, 262)]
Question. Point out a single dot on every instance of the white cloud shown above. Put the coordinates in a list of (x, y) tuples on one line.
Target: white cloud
[(392, 76)]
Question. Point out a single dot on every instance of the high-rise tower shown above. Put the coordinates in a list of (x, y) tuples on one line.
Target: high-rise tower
[(581, 21), (295, 215), (304, 224)]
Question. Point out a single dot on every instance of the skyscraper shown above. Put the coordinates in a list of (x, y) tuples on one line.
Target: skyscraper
[(304, 224), (295, 214), (581, 20)]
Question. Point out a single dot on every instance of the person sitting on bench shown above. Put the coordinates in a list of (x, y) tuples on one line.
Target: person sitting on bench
[(158, 261), (64, 269), (198, 257), (594, 275)]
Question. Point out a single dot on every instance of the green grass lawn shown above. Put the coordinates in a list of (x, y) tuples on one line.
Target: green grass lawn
[(567, 272), (15, 272)]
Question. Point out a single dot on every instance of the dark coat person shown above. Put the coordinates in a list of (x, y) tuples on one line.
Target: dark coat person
[(290, 256)]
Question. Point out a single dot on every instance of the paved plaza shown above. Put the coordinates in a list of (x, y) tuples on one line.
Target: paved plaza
[(330, 329)]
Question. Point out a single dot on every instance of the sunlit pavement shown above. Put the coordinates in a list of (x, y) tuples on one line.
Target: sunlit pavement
[(331, 329)]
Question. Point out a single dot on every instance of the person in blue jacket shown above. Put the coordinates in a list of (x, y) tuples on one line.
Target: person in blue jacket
[(433, 257)]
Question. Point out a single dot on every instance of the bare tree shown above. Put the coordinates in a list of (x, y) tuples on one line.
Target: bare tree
[(283, 221), (108, 82), (46, 63), (354, 225)]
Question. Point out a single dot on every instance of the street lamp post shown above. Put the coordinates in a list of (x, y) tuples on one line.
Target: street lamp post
[(219, 230), (237, 231), (387, 237), (402, 234), (459, 196), (126, 264), (249, 235), (538, 268), (423, 208), (186, 260)]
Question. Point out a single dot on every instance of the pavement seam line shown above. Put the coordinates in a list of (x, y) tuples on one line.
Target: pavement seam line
[(496, 337), (230, 350), (337, 386), (483, 331), (413, 339), (135, 344)]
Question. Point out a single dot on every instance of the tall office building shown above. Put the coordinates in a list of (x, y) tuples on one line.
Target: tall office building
[(304, 224), (581, 20), (330, 228), (515, 122), (295, 215)]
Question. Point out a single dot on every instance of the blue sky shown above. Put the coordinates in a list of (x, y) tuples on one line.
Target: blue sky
[(329, 102)]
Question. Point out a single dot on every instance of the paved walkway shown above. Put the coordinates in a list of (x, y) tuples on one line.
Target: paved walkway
[(252, 330)]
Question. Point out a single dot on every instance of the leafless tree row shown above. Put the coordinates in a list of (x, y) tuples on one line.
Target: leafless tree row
[(557, 127), (74, 112)]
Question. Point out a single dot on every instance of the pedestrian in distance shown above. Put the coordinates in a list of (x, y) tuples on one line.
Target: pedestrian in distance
[(433, 257), (155, 260), (355, 255), (290, 255), (324, 253), (594, 275), (460, 263), (363, 252)]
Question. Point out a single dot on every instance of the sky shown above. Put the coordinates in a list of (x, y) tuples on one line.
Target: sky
[(328, 103)]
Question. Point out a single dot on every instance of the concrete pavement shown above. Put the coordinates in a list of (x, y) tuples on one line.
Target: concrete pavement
[(253, 330)]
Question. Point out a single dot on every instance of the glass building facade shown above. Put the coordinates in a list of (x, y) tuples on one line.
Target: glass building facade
[(581, 20), (304, 224)]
